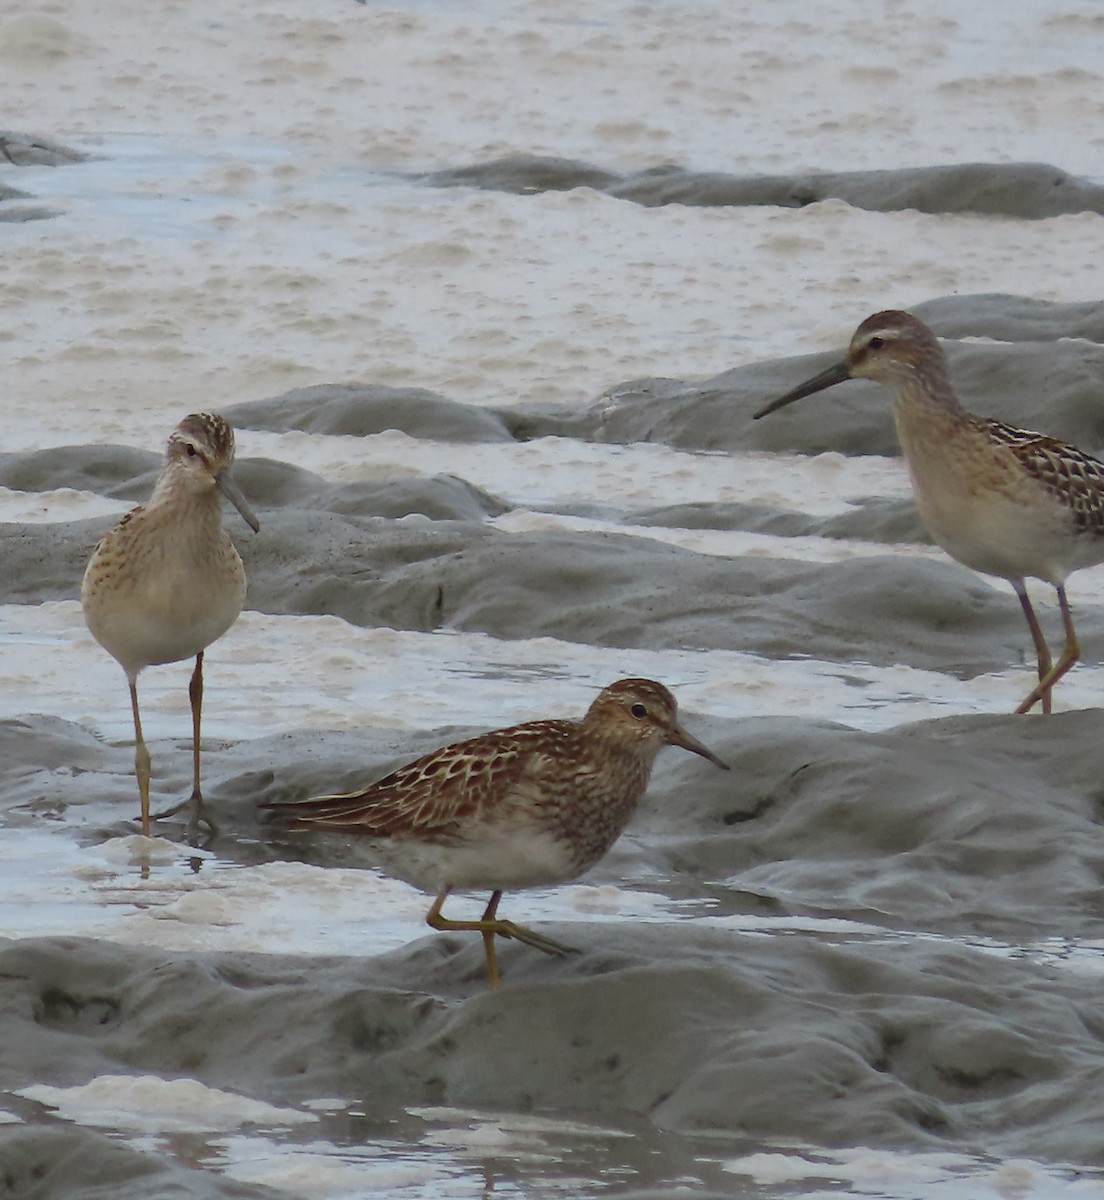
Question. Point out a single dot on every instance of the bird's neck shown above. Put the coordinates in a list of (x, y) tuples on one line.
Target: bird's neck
[(196, 506), (637, 759), (925, 408)]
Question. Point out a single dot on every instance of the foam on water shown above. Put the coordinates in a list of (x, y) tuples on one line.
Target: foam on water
[(199, 324), (896, 1176), (147, 1103), (60, 504), (552, 470), (271, 674), (725, 543)]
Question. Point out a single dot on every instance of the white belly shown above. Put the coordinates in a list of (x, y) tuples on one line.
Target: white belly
[(985, 510), (483, 862), (150, 638), (146, 609), (997, 536)]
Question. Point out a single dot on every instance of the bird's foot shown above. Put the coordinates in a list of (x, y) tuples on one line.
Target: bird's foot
[(508, 929), (197, 818)]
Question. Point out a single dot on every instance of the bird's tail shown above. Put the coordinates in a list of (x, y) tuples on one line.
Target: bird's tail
[(345, 810)]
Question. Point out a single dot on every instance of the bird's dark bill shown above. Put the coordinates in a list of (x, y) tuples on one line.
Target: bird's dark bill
[(679, 737), (838, 373)]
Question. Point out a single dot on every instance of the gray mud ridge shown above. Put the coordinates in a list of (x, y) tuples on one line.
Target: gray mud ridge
[(29, 150), (1047, 373), (594, 588), (1056, 387), (950, 844), (124, 473), (1027, 190), (978, 826), (359, 410), (25, 150), (55, 1159), (871, 518), (11, 210)]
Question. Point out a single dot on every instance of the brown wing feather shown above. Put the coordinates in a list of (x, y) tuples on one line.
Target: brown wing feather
[(1074, 477), (430, 797)]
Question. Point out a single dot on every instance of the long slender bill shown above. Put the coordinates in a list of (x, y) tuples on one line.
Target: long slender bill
[(232, 492), (677, 736), (826, 379)]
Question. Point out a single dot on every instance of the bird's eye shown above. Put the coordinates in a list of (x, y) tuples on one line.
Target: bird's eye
[(192, 451), (638, 711), (876, 343)]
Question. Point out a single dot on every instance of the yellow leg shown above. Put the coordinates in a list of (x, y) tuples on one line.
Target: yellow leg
[(141, 757), (195, 696), (1070, 654), (1042, 650), (195, 800), (490, 914), (489, 925)]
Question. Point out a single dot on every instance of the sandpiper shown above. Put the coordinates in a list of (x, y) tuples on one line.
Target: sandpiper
[(167, 581), (528, 806), (1004, 501)]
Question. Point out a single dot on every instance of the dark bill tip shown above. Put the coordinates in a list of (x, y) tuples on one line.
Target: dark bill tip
[(233, 493), (679, 737), (838, 373)]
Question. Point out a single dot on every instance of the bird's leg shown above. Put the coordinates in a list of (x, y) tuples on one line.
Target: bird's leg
[(195, 697), (436, 920), (141, 757), (1042, 650), (195, 800), (489, 925), (1070, 654), (490, 913)]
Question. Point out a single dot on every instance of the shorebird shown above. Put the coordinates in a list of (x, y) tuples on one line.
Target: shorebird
[(1005, 501), (167, 581), (528, 806)]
